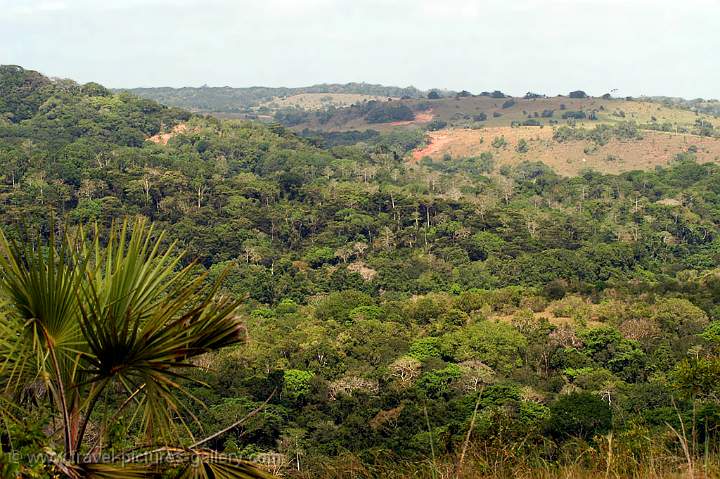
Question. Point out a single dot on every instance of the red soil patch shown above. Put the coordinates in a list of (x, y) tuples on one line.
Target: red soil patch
[(438, 140), (425, 117), (163, 138)]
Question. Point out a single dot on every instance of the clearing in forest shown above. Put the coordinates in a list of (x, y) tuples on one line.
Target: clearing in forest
[(567, 158), (163, 138)]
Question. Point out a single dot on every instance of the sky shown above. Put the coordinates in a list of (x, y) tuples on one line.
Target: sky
[(639, 47)]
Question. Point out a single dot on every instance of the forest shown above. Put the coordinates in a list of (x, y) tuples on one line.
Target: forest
[(379, 317)]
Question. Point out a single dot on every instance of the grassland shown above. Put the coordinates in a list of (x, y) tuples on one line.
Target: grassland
[(571, 157), (502, 112)]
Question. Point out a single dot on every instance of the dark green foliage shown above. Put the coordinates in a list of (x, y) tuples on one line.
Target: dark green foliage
[(575, 115), (580, 415), (436, 124), (389, 111), (482, 116)]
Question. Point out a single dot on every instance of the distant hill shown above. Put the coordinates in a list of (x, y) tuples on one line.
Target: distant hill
[(241, 100), (611, 135), (475, 111), (710, 107)]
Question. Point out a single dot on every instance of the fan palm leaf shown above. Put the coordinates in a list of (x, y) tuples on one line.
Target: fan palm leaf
[(82, 316)]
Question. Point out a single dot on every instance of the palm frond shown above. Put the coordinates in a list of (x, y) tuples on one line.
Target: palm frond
[(144, 317), (210, 465), (79, 316)]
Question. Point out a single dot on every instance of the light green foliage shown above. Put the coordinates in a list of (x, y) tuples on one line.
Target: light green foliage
[(487, 243), (496, 344), (698, 377), (437, 382), (680, 316), (319, 256), (296, 384), (424, 348)]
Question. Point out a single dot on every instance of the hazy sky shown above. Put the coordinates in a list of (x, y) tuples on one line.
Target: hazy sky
[(653, 47)]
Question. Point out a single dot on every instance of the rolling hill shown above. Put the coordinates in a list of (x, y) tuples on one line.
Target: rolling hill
[(568, 134), (462, 125), (228, 100)]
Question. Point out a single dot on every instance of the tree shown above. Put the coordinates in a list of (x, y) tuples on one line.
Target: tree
[(578, 94), (433, 95), (83, 319), (390, 111), (482, 116), (297, 384), (580, 415), (531, 96)]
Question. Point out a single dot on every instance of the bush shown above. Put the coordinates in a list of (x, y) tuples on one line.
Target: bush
[(436, 125), (579, 415), (575, 115), (499, 142), (522, 146)]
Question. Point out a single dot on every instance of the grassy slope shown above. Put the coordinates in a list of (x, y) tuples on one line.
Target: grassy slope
[(569, 158), (460, 111), (466, 138)]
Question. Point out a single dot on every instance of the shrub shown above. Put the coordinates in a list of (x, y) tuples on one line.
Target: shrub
[(480, 117), (579, 414), (575, 115), (436, 124), (499, 142)]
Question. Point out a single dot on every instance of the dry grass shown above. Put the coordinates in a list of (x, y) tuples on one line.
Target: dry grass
[(569, 158), (639, 111), (583, 462), (461, 110)]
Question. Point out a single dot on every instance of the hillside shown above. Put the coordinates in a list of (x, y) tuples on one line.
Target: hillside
[(246, 100), (505, 146), (464, 126), (568, 134), (399, 318)]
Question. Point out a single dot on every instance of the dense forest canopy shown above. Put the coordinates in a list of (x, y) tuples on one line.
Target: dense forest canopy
[(401, 310)]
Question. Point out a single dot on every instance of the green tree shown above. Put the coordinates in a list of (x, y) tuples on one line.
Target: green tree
[(580, 415)]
